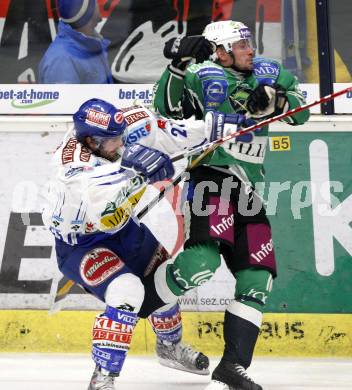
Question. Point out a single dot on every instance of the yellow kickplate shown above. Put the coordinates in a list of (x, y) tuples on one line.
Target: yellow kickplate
[(304, 335)]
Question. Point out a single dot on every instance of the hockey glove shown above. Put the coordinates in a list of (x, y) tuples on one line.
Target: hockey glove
[(219, 125), (150, 163), (182, 50), (267, 101)]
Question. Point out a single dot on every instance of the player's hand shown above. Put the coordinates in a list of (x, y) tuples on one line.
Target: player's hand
[(219, 125), (182, 50), (150, 163), (267, 101)]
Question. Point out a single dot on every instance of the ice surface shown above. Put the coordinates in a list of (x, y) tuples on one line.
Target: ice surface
[(72, 372)]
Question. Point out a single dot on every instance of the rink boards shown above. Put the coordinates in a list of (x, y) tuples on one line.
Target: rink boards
[(311, 218), (301, 335)]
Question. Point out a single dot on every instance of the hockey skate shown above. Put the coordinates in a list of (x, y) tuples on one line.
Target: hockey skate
[(101, 380), (230, 376), (182, 357)]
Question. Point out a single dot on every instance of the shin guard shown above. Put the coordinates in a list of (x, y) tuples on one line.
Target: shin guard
[(167, 324), (241, 330), (112, 334)]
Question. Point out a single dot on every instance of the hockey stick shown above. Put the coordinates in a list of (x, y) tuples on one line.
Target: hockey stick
[(205, 149), (211, 146)]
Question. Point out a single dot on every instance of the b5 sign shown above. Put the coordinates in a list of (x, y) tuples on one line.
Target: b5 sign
[(280, 144)]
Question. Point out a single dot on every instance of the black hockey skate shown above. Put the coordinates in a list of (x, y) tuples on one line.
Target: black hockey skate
[(182, 357), (230, 376)]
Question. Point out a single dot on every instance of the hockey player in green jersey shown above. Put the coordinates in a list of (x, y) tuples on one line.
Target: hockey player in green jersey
[(210, 77)]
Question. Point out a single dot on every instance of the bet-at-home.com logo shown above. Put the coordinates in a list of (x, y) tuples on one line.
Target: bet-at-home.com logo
[(29, 98)]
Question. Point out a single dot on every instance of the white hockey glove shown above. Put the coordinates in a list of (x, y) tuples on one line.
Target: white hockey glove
[(267, 101)]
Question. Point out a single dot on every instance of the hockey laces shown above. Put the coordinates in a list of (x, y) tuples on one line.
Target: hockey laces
[(241, 370), (187, 353)]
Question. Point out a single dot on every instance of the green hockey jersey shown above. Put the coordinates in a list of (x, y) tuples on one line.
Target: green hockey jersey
[(210, 87)]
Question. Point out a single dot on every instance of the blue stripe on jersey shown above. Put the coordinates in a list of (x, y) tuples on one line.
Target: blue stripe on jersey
[(106, 174)]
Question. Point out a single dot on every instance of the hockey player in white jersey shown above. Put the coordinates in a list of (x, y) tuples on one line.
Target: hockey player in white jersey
[(101, 174), (99, 244)]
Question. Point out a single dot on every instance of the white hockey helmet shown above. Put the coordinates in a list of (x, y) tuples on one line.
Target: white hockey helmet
[(226, 33)]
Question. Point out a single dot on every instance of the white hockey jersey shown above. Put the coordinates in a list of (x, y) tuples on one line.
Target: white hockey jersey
[(89, 196)]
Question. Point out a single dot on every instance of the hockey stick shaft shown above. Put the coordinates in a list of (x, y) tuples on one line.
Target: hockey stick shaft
[(211, 146), (265, 122)]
